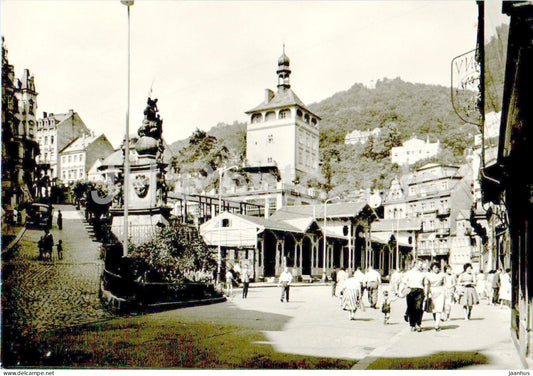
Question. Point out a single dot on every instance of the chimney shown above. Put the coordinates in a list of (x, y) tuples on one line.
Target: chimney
[(269, 94), (71, 112)]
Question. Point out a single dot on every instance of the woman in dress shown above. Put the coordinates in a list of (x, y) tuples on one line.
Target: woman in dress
[(351, 294), (481, 284), (450, 280), (505, 293), (467, 280), (436, 292)]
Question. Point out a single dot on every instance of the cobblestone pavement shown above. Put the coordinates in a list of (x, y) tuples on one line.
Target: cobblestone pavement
[(39, 295)]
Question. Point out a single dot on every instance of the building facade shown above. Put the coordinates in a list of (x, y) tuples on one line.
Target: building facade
[(80, 155), (282, 131), (54, 133), (441, 198), (294, 237), (414, 150), (361, 137), (19, 146)]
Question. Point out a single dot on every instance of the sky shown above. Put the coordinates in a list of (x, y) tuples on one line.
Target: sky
[(210, 61)]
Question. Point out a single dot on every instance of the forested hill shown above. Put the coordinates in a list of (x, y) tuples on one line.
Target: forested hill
[(401, 109)]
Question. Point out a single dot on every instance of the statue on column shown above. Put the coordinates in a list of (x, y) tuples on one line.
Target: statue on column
[(150, 133)]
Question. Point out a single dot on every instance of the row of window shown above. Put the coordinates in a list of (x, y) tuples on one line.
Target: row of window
[(283, 114), (429, 188), (44, 140), (72, 158), (71, 174)]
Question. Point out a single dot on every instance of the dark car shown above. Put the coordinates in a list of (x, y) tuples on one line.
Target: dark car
[(39, 215)]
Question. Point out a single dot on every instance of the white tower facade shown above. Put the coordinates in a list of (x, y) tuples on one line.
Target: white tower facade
[(282, 131)]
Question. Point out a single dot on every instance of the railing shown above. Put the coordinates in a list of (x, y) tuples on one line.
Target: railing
[(443, 212), (443, 232), (435, 252), (137, 234)]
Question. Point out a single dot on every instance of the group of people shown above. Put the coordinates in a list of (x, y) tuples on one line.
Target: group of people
[(46, 242), (351, 288), (432, 289), (244, 276)]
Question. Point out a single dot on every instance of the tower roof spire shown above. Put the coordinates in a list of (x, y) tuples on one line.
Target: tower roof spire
[(283, 71)]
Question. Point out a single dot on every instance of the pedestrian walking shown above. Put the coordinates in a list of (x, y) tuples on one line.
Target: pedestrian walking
[(59, 220), (60, 250), (351, 295), (285, 280), (245, 282), (481, 284), (333, 281), (48, 244), (373, 281), (467, 281), (414, 281), (341, 277), (395, 280), (505, 294), (496, 287), (229, 283), (361, 276), (40, 245), (385, 306), (435, 283), (450, 281)]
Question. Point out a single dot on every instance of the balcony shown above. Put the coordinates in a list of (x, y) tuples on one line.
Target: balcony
[(434, 252), (443, 212), (442, 232)]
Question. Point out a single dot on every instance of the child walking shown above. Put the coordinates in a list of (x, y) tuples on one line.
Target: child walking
[(385, 306), (59, 250)]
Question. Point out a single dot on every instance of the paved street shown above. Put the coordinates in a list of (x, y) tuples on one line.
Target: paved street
[(47, 301), (39, 295)]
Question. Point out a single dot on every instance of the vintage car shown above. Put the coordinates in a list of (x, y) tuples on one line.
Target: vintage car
[(39, 215)]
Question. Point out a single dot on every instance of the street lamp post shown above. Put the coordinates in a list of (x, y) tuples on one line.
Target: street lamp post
[(325, 239), (221, 176), (398, 242), (125, 189)]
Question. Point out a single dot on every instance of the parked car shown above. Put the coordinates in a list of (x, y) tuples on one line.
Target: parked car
[(39, 215)]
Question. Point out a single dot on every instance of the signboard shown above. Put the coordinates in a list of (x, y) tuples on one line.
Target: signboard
[(466, 72)]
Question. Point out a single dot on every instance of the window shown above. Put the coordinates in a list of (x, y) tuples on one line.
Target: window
[(270, 116), (270, 138), (257, 118), (284, 114), (69, 158), (226, 222), (52, 140), (270, 160), (80, 173), (45, 140)]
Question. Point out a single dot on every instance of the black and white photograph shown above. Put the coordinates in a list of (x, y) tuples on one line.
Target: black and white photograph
[(264, 185)]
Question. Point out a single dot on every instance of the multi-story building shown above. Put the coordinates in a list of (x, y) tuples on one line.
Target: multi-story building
[(361, 137), (282, 131), (79, 156), (414, 150), (441, 198), (19, 148), (54, 133)]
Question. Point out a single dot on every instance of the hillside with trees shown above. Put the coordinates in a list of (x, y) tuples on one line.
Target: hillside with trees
[(401, 109)]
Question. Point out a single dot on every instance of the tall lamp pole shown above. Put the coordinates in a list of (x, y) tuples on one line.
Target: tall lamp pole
[(325, 238), (125, 189), (397, 240), (219, 256)]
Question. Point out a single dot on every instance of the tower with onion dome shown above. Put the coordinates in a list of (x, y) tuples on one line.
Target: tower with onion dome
[(282, 131)]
